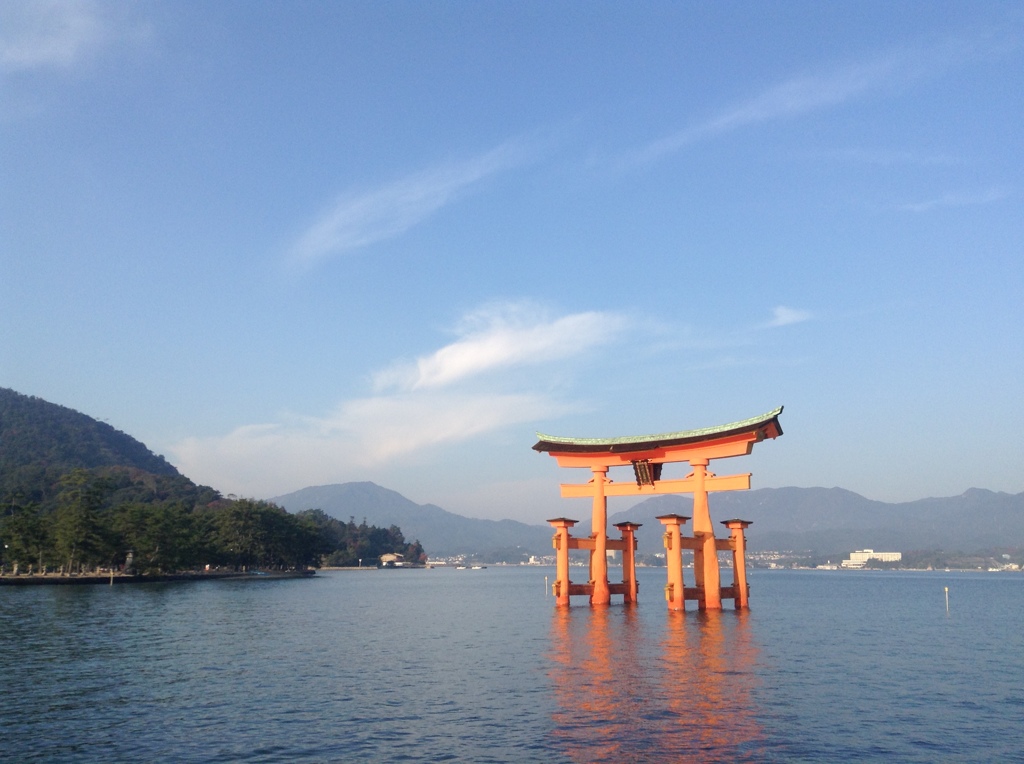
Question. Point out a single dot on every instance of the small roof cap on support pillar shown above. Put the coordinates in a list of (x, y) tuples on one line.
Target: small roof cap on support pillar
[(672, 517), (563, 522), (737, 523), (628, 525)]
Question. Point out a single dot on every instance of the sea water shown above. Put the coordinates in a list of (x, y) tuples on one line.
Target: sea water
[(479, 666)]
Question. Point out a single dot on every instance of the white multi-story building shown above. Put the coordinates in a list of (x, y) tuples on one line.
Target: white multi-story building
[(859, 558)]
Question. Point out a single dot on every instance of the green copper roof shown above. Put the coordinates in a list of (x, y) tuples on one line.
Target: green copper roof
[(645, 442)]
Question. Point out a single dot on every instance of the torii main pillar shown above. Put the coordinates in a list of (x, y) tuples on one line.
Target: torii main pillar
[(647, 454)]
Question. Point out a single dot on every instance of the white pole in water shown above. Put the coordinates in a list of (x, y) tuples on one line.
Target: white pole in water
[(947, 600), (546, 589)]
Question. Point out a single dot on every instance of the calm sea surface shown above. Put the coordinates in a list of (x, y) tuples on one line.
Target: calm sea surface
[(478, 666)]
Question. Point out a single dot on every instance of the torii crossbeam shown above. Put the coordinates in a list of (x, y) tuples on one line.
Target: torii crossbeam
[(646, 454)]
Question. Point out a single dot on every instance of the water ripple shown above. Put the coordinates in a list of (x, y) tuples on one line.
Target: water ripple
[(446, 666)]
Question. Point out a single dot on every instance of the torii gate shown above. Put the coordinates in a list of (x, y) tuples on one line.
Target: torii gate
[(646, 454)]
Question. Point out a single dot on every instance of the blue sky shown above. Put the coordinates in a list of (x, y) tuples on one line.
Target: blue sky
[(290, 244)]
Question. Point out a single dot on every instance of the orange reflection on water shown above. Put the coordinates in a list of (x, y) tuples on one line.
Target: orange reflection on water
[(683, 693)]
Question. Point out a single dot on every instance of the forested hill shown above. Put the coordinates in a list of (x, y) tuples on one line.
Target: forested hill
[(40, 441), (77, 495)]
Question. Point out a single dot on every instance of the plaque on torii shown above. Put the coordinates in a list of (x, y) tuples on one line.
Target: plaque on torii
[(646, 454)]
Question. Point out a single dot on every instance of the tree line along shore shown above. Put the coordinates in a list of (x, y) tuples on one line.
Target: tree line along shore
[(132, 523)]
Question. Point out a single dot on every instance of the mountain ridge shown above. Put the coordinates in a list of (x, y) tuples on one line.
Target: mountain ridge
[(817, 520), (836, 520), (449, 534), (40, 441)]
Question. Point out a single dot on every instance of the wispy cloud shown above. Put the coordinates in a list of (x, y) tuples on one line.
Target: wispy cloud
[(783, 316), (390, 426), (955, 200), (414, 408), (54, 34), (359, 218), (808, 93), (426, 407), (360, 435), (504, 335)]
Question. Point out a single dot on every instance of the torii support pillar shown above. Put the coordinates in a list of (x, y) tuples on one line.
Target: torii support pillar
[(601, 594), (560, 588), (675, 593), (705, 555), (629, 584), (563, 541), (739, 561)]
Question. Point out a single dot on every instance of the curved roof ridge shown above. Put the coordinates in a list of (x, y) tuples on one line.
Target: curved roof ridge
[(545, 442)]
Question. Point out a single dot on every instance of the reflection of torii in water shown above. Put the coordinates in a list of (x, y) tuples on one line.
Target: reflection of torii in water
[(626, 692), (646, 454)]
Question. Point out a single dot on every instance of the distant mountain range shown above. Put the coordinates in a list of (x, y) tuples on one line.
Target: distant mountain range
[(831, 521), (825, 521), (442, 533), (40, 441)]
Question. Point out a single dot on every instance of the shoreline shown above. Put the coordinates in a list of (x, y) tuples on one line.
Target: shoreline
[(55, 579)]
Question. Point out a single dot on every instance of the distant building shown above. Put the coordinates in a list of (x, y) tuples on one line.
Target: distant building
[(859, 558), (392, 560)]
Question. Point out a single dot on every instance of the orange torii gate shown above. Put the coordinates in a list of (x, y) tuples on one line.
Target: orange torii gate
[(646, 454)]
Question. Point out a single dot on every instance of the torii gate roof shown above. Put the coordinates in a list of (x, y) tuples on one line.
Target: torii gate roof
[(764, 426)]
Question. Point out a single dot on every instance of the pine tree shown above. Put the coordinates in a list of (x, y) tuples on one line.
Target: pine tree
[(76, 529)]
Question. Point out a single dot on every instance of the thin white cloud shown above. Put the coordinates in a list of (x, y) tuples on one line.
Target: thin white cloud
[(366, 433), (783, 316), (360, 435), (58, 35), (357, 219), (809, 93), (442, 399), (390, 426), (955, 200), (501, 336)]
